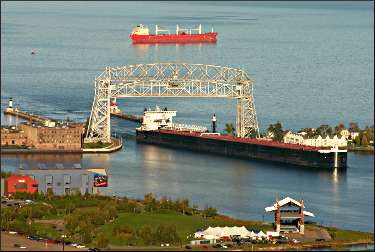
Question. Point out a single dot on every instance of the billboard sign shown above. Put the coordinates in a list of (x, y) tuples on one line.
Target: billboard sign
[(100, 180)]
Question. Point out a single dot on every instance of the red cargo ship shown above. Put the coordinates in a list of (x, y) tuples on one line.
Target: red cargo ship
[(140, 34), (158, 128)]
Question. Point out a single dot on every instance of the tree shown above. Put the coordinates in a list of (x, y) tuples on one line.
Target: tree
[(145, 232), (277, 131), (370, 133), (184, 205), (229, 129), (150, 202), (310, 132), (101, 241), (364, 141), (353, 127), (357, 141), (338, 129), (112, 211), (324, 130), (209, 211)]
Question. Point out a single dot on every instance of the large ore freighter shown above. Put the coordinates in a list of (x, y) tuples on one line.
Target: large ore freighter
[(157, 128), (141, 35)]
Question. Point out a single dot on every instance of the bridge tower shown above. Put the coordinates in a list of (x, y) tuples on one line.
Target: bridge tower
[(171, 80)]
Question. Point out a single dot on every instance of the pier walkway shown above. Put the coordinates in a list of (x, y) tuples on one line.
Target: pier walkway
[(27, 116), (133, 118)]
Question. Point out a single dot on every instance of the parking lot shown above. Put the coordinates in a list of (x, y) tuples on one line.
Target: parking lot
[(10, 242), (13, 203)]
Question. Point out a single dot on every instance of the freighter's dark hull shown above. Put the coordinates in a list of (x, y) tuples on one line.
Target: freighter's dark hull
[(243, 150)]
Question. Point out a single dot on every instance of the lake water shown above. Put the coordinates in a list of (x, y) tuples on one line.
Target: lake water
[(312, 63)]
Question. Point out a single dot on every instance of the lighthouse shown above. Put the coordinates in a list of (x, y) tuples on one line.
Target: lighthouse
[(10, 103), (113, 108)]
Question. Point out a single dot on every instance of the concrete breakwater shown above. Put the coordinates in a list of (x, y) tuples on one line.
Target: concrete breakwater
[(27, 116), (133, 118)]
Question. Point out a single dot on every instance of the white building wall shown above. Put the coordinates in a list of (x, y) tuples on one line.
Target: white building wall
[(317, 142)]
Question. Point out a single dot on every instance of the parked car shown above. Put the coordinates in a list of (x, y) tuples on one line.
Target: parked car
[(33, 238), (282, 241), (93, 249), (80, 246)]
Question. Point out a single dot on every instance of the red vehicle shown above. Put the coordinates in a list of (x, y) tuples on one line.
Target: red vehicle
[(140, 34)]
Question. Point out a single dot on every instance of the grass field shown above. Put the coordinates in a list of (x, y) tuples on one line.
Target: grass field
[(185, 225), (349, 235), (141, 223)]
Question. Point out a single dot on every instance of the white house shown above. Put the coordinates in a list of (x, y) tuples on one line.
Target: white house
[(353, 135), (290, 137), (345, 133), (318, 141)]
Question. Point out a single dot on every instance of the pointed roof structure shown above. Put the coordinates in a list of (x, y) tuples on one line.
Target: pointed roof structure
[(285, 201)]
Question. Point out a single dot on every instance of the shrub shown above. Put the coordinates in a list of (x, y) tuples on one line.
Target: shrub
[(122, 229), (209, 211), (101, 241)]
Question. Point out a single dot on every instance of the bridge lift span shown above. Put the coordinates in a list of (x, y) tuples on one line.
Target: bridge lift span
[(171, 80)]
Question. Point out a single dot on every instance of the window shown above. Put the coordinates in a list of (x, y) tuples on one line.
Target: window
[(13, 142), (49, 180), (21, 186), (66, 179), (67, 190)]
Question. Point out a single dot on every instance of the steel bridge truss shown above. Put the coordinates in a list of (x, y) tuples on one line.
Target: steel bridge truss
[(171, 80)]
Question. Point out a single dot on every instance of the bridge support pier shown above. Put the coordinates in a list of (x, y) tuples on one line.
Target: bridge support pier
[(99, 127)]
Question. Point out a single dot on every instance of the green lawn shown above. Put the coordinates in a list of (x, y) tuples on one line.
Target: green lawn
[(47, 230), (185, 225), (349, 235)]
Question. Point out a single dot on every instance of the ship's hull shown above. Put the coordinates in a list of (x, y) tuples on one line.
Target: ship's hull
[(240, 149), (175, 38)]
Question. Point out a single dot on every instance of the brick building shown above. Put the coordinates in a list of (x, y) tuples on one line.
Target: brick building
[(62, 136), (13, 136)]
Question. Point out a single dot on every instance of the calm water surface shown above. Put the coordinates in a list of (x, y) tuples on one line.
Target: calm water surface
[(312, 63)]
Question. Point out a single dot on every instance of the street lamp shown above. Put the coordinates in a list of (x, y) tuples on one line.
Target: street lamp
[(63, 241)]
